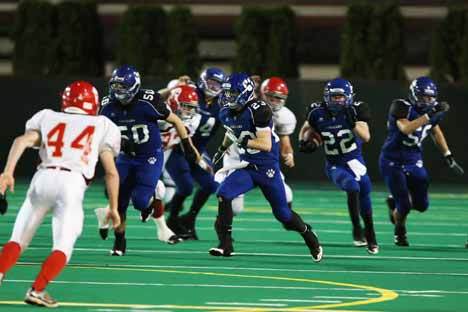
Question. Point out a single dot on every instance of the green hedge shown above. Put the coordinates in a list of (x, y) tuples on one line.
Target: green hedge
[(449, 49), (373, 43), (280, 55), (78, 45), (182, 43), (33, 33), (266, 42), (143, 40)]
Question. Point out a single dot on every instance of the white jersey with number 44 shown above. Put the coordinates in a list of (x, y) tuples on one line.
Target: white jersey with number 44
[(74, 141)]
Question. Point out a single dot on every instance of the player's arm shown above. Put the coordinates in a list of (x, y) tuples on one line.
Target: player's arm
[(30, 138), (441, 143), (191, 153), (222, 148), (362, 131), (111, 178), (358, 116), (286, 150), (262, 142), (262, 115)]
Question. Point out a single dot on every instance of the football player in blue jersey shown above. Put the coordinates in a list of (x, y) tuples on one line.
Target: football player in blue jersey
[(249, 123), (401, 164), (342, 124), (136, 111), (183, 173)]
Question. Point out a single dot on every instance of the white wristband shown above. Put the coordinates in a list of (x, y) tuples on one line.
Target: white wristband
[(447, 153)]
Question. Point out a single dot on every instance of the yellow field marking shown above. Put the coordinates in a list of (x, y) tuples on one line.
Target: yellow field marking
[(385, 294)]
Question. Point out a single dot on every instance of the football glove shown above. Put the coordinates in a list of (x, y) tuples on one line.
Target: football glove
[(3, 204), (456, 168), (307, 146), (438, 111), (351, 116)]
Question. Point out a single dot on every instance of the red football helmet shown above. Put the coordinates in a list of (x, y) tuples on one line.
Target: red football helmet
[(274, 92), (183, 101), (80, 97)]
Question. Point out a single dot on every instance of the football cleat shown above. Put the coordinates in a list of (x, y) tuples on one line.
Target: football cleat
[(391, 208), (222, 251), (120, 246), (358, 238), (40, 298), (174, 239), (145, 214), (466, 244), (188, 223), (317, 255), (372, 249), (103, 226), (401, 240)]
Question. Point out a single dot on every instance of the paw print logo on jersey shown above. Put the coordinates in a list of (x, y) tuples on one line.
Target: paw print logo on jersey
[(270, 173), (152, 160)]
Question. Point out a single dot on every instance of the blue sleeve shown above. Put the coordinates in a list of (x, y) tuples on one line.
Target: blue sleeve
[(158, 107)]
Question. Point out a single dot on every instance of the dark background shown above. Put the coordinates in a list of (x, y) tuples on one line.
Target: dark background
[(23, 97)]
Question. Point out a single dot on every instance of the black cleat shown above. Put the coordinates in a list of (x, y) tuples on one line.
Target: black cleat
[(391, 208), (174, 239), (311, 240), (401, 240), (222, 251), (188, 223), (120, 246), (145, 214), (358, 237)]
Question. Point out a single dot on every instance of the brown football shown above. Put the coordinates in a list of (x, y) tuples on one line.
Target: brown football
[(311, 135)]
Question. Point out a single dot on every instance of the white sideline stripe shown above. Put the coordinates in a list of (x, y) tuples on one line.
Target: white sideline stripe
[(302, 300), (246, 304), (264, 254), (266, 269)]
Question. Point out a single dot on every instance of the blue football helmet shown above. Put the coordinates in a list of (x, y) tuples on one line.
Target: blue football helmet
[(210, 81), (124, 84), (238, 90), (336, 87), (423, 93)]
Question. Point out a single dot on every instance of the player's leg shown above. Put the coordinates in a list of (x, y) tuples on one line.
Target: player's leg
[(236, 183), (395, 179), (418, 184), (67, 224), (345, 180), (208, 186), (164, 233), (179, 170), (367, 215), (170, 186), (27, 221), (272, 186)]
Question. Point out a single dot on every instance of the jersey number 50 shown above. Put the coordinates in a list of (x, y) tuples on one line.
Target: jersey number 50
[(139, 133)]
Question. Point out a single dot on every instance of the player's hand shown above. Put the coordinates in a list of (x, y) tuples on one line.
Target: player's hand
[(289, 160), (351, 116), (307, 146), (438, 111), (205, 166), (6, 182), (456, 168), (219, 154), (114, 217)]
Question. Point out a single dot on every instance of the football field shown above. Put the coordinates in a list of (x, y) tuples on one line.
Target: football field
[(272, 269)]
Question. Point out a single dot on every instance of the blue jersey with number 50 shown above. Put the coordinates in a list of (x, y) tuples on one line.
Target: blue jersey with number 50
[(255, 116), (209, 121), (399, 147), (339, 142), (138, 120)]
